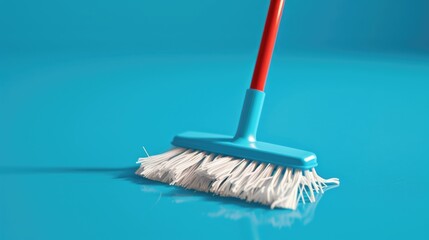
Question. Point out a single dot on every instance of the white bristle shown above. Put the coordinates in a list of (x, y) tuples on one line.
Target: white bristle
[(277, 187)]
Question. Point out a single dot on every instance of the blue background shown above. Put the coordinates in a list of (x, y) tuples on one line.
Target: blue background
[(210, 26), (85, 84)]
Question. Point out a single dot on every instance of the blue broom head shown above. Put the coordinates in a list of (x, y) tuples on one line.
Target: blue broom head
[(251, 150), (244, 144)]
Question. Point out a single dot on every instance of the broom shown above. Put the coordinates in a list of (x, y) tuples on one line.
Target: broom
[(240, 166)]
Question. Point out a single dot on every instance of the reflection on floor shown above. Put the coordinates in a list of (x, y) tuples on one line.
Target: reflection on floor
[(236, 209)]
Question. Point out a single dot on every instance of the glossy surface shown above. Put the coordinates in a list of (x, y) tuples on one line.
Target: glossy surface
[(72, 127)]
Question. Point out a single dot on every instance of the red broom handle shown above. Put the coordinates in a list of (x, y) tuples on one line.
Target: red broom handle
[(267, 44)]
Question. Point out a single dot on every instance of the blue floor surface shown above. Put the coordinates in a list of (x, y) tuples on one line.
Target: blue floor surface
[(72, 128)]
